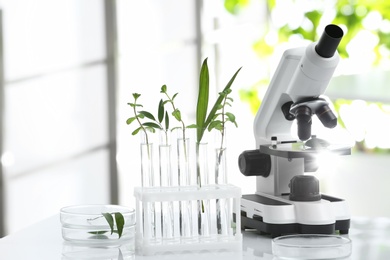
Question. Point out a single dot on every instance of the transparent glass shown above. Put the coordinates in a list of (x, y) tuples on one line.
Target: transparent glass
[(202, 165), (220, 177), (167, 218), (184, 179), (311, 246), (147, 169), (72, 251), (85, 224), (183, 156), (147, 180)]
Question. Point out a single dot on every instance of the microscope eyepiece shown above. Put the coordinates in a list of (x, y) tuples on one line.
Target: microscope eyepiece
[(329, 41)]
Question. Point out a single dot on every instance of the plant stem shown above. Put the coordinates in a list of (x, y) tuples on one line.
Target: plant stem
[(183, 126), (222, 130), (143, 129)]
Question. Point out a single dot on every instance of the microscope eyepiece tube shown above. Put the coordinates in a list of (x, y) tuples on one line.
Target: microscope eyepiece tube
[(329, 41)]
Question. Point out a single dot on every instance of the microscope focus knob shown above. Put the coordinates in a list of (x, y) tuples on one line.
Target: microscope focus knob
[(304, 188), (254, 163)]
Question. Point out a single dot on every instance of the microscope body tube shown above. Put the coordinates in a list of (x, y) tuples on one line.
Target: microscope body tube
[(312, 75)]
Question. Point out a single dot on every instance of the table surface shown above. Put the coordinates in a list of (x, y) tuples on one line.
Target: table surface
[(370, 240)]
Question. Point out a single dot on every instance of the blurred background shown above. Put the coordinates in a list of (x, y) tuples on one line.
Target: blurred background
[(68, 69)]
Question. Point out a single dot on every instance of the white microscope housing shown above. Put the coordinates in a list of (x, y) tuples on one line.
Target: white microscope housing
[(287, 200)]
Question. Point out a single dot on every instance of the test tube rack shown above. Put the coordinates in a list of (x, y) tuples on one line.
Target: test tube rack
[(151, 240)]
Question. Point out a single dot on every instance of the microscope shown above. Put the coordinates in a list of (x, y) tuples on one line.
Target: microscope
[(288, 201)]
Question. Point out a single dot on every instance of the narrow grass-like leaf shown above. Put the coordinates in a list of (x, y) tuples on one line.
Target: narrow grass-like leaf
[(120, 222), (166, 120), (110, 221), (203, 100), (220, 99), (173, 97)]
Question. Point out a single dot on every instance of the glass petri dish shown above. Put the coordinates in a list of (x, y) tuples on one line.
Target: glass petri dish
[(311, 246), (85, 224)]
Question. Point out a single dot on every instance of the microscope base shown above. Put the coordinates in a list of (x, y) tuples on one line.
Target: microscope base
[(277, 216)]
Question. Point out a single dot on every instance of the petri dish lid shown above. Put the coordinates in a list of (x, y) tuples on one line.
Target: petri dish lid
[(311, 246)]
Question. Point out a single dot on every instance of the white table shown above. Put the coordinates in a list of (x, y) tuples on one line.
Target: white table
[(370, 240)]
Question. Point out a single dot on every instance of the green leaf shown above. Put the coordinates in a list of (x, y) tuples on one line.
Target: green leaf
[(216, 116), (177, 127), (220, 99), (120, 222), (174, 96), (161, 111), (192, 126), (98, 236), (152, 125), (150, 129), (203, 100), (136, 131), (142, 116), (130, 120), (101, 232), (231, 117), (215, 124), (110, 221), (166, 120), (134, 105), (147, 114), (163, 89), (136, 95), (177, 114)]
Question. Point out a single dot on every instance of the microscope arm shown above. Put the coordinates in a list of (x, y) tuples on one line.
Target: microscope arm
[(303, 73)]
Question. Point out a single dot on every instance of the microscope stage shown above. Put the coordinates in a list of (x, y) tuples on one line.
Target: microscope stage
[(298, 150), (276, 215)]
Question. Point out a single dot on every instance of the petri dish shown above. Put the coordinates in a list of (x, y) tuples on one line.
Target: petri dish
[(85, 224), (311, 246)]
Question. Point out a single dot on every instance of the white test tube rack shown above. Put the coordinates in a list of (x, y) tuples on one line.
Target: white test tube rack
[(150, 244)]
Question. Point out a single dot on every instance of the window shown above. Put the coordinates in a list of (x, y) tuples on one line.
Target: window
[(56, 140)]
